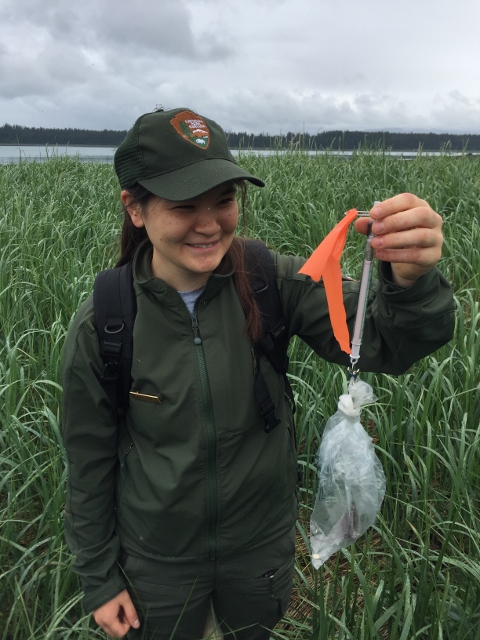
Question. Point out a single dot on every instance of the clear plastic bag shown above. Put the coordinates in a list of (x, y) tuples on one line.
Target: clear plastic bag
[(351, 478)]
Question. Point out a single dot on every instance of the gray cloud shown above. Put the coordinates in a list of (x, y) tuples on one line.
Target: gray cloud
[(259, 65)]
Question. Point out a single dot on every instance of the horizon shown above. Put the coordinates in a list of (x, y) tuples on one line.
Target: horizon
[(397, 130)]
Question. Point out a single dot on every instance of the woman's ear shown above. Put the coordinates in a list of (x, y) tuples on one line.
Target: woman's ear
[(133, 208)]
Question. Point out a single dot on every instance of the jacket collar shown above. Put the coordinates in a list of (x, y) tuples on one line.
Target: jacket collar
[(143, 278)]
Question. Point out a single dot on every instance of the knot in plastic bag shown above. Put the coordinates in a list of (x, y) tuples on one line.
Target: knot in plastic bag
[(359, 394)]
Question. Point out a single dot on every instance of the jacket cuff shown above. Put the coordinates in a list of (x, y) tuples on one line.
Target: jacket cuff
[(385, 277), (426, 301), (94, 598)]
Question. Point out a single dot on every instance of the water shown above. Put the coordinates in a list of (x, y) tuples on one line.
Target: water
[(12, 153), (16, 153)]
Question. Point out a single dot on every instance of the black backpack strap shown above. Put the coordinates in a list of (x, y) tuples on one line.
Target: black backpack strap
[(274, 343), (115, 309)]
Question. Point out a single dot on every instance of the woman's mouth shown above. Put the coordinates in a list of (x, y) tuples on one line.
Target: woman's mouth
[(203, 245)]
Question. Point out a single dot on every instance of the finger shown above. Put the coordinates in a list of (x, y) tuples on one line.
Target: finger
[(362, 224), (129, 612), (416, 256), (115, 629), (414, 218), (416, 247), (419, 237), (401, 202)]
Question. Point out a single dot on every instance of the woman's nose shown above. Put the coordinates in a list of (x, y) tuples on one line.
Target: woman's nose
[(207, 220)]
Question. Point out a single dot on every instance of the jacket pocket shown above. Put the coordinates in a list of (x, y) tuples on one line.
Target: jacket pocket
[(278, 583), (282, 585)]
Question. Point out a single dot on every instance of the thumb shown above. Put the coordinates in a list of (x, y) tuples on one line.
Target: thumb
[(361, 225), (129, 612)]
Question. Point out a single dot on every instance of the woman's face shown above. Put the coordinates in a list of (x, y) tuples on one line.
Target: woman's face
[(190, 237)]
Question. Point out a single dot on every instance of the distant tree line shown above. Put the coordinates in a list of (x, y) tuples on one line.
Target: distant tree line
[(350, 140), (15, 134), (338, 140)]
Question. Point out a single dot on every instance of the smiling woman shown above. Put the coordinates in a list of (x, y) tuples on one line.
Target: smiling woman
[(187, 499)]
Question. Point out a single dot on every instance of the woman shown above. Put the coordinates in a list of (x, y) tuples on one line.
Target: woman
[(189, 501)]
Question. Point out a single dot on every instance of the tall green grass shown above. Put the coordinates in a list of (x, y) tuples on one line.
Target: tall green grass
[(416, 574)]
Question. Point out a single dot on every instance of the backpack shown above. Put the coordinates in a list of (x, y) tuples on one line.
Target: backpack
[(115, 309)]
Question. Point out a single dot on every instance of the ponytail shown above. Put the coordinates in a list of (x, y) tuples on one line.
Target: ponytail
[(253, 316)]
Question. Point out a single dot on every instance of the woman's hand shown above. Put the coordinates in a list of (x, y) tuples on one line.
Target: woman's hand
[(408, 233), (117, 615)]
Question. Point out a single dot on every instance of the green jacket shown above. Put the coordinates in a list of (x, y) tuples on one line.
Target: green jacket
[(195, 476)]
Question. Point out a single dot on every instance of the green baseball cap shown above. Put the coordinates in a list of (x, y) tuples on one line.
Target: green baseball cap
[(177, 155)]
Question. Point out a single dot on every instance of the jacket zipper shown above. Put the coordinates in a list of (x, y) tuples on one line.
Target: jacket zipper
[(211, 440), (123, 466)]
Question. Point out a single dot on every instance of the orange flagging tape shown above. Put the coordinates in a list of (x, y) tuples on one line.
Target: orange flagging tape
[(325, 263)]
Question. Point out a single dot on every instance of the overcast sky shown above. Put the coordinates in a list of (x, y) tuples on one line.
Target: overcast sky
[(269, 66)]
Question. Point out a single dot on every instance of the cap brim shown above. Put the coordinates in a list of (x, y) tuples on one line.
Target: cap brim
[(195, 179)]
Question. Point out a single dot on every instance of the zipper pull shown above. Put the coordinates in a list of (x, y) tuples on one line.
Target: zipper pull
[(196, 331), (125, 454)]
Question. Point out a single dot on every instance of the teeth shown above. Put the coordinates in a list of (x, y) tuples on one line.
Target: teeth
[(203, 246)]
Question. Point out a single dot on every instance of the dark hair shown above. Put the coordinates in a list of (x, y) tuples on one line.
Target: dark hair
[(234, 259), (132, 237)]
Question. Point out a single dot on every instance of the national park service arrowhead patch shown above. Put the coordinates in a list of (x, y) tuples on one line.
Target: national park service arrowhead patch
[(192, 128)]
